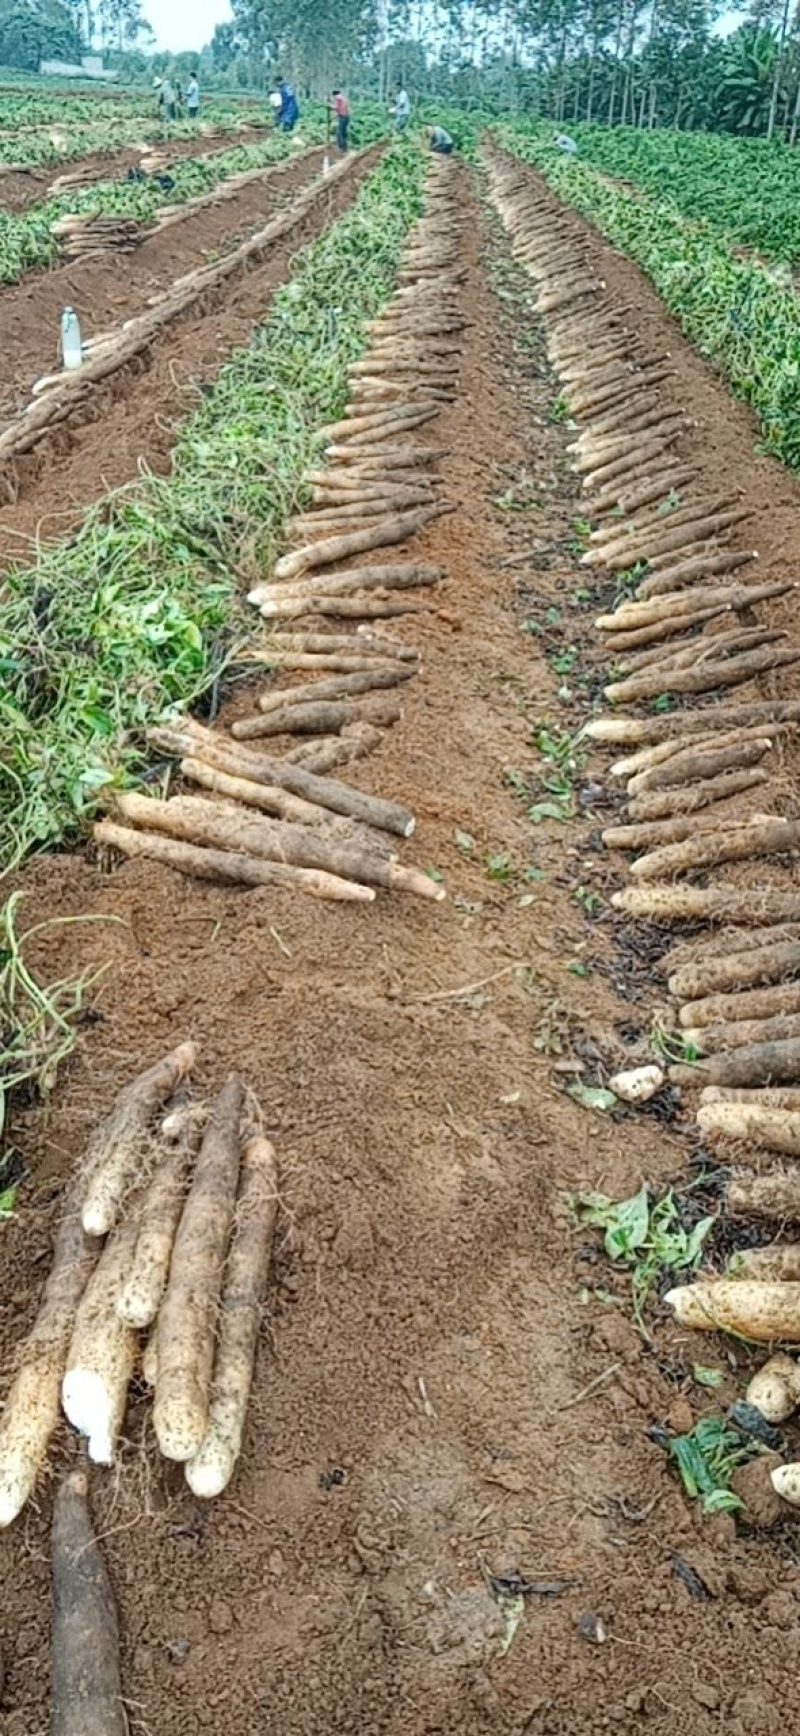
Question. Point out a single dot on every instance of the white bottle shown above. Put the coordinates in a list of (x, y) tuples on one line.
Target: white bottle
[(71, 344)]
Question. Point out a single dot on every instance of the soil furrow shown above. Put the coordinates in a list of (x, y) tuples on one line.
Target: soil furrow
[(130, 418), (111, 288), (21, 188), (422, 1420)]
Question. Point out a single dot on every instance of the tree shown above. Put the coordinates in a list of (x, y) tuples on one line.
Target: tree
[(122, 24), (36, 30)]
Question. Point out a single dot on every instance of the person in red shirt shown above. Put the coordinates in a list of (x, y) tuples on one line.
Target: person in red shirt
[(341, 110)]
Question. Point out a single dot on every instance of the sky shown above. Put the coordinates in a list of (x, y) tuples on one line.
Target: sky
[(185, 23)]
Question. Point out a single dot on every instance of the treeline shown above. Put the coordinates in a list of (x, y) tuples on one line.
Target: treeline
[(637, 62)]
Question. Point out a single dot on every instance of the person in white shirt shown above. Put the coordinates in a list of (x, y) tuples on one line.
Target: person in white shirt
[(402, 109), (192, 97)]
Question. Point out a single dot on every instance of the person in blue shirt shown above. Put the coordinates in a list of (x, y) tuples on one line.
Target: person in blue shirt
[(288, 114)]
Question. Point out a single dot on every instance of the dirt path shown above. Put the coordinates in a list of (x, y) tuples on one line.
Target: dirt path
[(421, 1419), (131, 418), (21, 188)]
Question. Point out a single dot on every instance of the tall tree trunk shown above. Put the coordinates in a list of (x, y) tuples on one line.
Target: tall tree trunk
[(795, 116), (612, 95), (776, 82), (592, 70)]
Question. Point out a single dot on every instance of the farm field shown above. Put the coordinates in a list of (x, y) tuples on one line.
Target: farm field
[(398, 750), (744, 189)]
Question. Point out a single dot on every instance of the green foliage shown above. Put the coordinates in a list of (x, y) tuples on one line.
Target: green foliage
[(648, 1237), (746, 190), (734, 310), (139, 613), (706, 1460)]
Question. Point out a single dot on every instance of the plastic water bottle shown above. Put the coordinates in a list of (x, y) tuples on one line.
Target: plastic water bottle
[(71, 343)]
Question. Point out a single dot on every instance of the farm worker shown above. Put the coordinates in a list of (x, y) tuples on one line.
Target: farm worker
[(275, 104), (440, 141), (166, 99), (341, 110), (192, 97), (402, 109), (565, 143), (289, 112)]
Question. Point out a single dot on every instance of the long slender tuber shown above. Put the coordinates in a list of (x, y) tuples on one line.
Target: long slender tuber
[(210, 1471), (762, 1064), (776, 1195), (749, 1307), (146, 1279), (767, 1129), (119, 1143), (31, 1409), (723, 970), (229, 865), (666, 903), (102, 1352), (221, 826), (759, 1003), (778, 1261), (323, 717), (705, 677), (338, 687), (668, 803), (86, 1685), (326, 792), (187, 1322), (733, 844)]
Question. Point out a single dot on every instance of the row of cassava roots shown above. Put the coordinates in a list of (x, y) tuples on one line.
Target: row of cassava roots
[(699, 779), (267, 812), (160, 1262)]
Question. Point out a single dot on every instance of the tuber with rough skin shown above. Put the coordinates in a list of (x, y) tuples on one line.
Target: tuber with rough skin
[(31, 1409), (118, 1145), (102, 1352), (749, 1307), (210, 1471), (187, 1322), (86, 1685)]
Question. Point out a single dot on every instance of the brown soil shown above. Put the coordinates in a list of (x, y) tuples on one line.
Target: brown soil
[(130, 419), (422, 1418), (20, 188)]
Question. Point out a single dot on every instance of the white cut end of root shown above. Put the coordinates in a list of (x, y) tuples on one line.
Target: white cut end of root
[(84, 1396), (637, 1085), (785, 1481)]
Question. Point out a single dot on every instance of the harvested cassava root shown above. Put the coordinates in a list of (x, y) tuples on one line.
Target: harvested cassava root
[(230, 865), (776, 1195), (327, 793), (210, 1471), (140, 1296), (768, 1129), (102, 1352), (223, 826), (32, 1407), (754, 1309), (86, 1685), (188, 1317), (119, 1144)]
